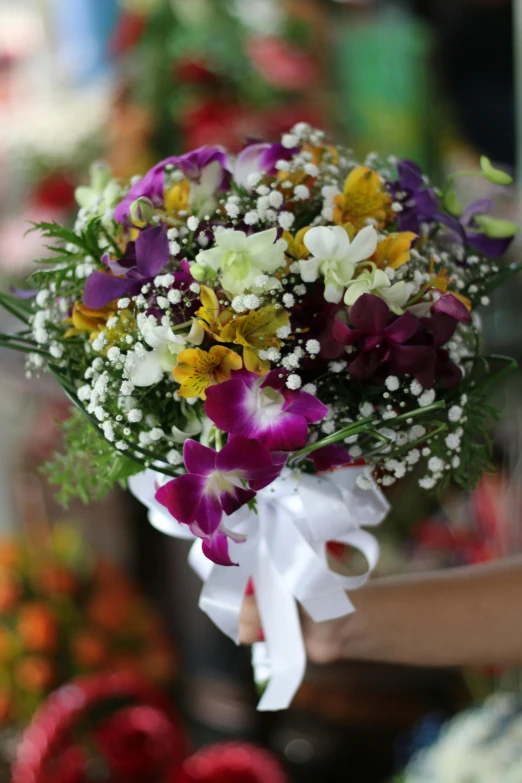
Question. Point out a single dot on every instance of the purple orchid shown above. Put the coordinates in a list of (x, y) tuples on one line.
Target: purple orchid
[(194, 165), (260, 159), (217, 482), (488, 246), (420, 204), (379, 342), (264, 408), (143, 260)]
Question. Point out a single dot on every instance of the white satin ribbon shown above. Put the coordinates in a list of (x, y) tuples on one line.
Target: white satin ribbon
[(285, 555)]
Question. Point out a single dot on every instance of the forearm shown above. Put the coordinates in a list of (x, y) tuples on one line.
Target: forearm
[(465, 616)]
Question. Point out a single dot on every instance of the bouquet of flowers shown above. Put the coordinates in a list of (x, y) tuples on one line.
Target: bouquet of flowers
[(62, 613), (240, 326), (481, 744)]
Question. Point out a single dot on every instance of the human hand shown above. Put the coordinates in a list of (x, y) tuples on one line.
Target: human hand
[(325, 642)]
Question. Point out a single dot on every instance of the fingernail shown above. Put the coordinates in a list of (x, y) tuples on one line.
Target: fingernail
[(249, 588), (260, 635)]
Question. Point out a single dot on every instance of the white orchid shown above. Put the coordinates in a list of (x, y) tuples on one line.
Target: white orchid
[(202, 198), (334, 257), (242, 261), (149, 367), (376, 282)]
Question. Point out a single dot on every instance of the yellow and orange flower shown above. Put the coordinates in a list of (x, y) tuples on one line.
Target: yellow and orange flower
[(198, 369), (394, 251), (442, 282), (256, 331), (85, 319), (210, 315), (363, 198), (296, 248)]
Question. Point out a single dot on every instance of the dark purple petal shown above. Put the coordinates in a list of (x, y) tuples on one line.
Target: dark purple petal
[(365, 365), (199, 459), (216, 549), (441, 326), (402, 329), (450, 305), (417, 360), (102, 288), (231, 501), (329, 457), (306, 405), (249, 456), (122, 266), (182, 496), (369, 314), (446, 370), (152, 251), (209, 513), (276, 379)]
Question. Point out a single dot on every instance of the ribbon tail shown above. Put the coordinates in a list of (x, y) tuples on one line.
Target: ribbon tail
[(282, 629)]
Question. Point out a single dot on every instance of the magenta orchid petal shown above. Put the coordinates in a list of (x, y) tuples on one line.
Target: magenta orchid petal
[(226, 406), (102, 288), (249, 456), (417, 360), (306, 405), (329, 457), (276, 379), (343, 334), (152, 251), (453, 307), (182, 496), (199, 459), (287, 433), (216, 549), (369, 314), (208, 512)]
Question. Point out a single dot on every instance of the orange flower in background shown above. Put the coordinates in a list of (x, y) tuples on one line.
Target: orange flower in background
[(9, 554), (9, 593), (198, 369), (7, 645), (363, 199), (89, 649), (34, 673), (85, 319), (394, 251), (109, 610), (57, 579), (37, 627), (256, 331)]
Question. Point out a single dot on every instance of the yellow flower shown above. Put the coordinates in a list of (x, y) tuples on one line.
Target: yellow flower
[(84, 319), (198, 369), (296, 247), (363, 197), (394, 251), (256, 331), (210, 317), (177, 197)]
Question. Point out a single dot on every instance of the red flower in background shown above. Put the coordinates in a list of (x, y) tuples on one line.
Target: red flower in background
[(230, 763), (193, 71), (55, 192), (128, 31), (280, 64)]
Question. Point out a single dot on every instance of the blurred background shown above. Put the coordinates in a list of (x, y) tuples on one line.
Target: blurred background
[(90, 588)]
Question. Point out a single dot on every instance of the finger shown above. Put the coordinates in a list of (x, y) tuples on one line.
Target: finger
[(249, 621)]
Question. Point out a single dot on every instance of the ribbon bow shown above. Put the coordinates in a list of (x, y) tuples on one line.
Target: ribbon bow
[(284, 553)]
